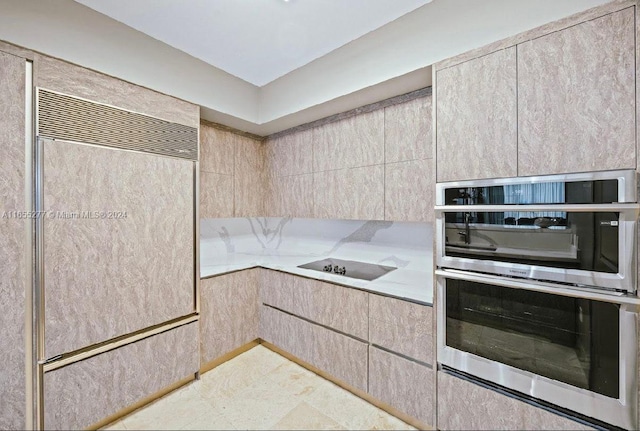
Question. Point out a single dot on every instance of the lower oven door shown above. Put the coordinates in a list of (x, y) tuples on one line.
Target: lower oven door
[(576, 349)]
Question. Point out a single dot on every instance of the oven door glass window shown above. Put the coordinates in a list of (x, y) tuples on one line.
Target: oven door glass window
[(572, 340), (574, 192), (573, 240)]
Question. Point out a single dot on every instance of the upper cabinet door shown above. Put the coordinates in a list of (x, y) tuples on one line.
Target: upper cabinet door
[(576, 98), (476, 118)]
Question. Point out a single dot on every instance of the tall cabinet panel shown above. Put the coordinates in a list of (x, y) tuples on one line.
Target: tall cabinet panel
[(128, 264), (576, 98), (12, 246), (476, 133)]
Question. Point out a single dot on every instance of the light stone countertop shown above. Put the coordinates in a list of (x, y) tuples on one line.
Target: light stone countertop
[(228, 245)]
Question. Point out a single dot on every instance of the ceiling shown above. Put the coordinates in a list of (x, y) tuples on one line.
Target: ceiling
[(257, 41), (393, 59)]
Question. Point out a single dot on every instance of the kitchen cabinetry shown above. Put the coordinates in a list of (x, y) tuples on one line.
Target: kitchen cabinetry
[(557, 99), (110, 277), (339, 355), (403, 384), (401, 326), (12, 248), (229, 313), (379, 345), (466, 405), (338, 307), (401, 373), (369, 166), (476, 134), (576, 98), (81, 394)]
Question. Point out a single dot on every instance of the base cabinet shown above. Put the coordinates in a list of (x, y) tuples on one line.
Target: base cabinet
[(341, 356), (229, 313), (84, 393), (338, 307), (403, 384), (402, 326), (463, 405)]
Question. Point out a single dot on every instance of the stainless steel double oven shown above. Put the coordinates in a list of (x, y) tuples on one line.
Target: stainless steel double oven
[(536, 286)]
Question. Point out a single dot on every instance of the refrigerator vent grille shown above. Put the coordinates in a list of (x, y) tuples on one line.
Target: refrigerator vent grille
[(73, 119)]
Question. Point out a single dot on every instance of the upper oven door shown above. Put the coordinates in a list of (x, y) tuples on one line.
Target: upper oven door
[(583, 245), (571, 229)]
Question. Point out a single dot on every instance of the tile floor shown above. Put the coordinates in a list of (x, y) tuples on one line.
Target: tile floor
[(260, 389)]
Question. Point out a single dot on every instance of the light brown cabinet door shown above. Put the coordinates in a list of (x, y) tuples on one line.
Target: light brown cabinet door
[(576, 98), (476, 118), (337, 307), (118, 246), (228, 313)]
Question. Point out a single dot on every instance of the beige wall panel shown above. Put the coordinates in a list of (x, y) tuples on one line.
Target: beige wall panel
[(16, 50), (12, 247), (356, 193), (576, 98), (216, 195), (228, 313), (109, 277), (290, 154), (290, 196), (81, 394), (402, 326), (476, 118), (352, 142), (216, 150), (403, 384), (409, 193), (249, 180), (57, 75), (408, 131)]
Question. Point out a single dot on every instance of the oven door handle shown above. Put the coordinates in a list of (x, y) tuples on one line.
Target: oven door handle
[(617, 207), (632, 302)]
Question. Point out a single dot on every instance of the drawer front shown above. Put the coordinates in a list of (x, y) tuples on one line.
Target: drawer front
[(86, 392), (402, 326), (341, 356), (403, 384), (338, 307)]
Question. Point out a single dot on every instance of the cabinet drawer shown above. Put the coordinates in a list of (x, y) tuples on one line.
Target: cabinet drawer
[(84, 393), (402, 326), (338, 307), (341, 356), (403, 384)]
